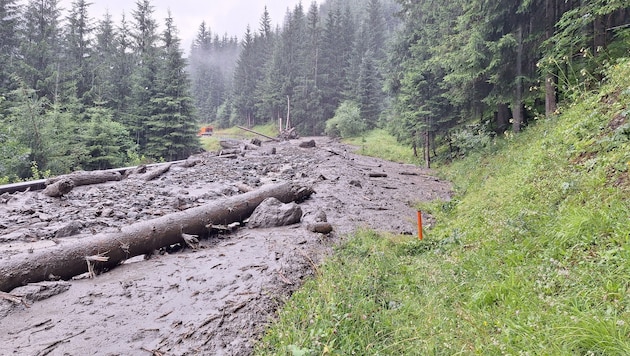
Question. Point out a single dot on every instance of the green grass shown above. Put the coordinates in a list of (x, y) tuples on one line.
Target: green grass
[(211, 143), (379, 143), (531, 257)]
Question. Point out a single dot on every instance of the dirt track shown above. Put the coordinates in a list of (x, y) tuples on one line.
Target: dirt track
[(213, 301)]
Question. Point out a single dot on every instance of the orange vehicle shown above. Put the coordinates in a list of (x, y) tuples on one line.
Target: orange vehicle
[(205, 131)]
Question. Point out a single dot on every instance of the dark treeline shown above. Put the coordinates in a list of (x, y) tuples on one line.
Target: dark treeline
[(460, 70), (320, 57), (76, 93)]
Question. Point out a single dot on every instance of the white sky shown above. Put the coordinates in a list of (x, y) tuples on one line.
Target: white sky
[(231, 16)]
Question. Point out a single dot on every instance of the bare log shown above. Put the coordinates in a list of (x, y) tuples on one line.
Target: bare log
[(151, 175), (258, 133), (59, 188), (87, 178), (377, 175), (107, 250)]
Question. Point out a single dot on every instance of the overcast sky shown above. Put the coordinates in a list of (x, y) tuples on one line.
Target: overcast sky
[(231, 16)]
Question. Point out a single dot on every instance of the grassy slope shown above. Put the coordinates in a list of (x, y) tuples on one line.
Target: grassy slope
[(531, 257), (211, 143)]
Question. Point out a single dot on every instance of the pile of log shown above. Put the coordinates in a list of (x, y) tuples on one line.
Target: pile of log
[(234, 148), (58, 186), (290, 134), (107, 250)]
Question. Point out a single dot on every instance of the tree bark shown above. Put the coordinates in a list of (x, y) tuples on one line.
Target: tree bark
[(158, 171), (427, 150), (551, 103), (107, 250), (87, 178), (517, 109), (502, 117)]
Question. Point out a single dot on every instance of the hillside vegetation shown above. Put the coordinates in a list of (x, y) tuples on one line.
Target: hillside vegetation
[(531, 257)]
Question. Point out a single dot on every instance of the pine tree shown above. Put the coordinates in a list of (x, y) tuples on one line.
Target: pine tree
[(172, 127), (365, 73), (103, 88), (246, 77), (9, 44), (106, 141), (338, 37), (122, 70), (144, 77), (40, 48), (202, 73), (307, 99), (78, 64)]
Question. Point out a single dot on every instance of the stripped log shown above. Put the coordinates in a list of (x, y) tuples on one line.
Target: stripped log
[(258, 133), (377, 175), (106, 250), (86, 178), (158, 171)]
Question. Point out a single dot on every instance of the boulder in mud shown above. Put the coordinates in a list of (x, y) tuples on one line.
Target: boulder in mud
[(272, 212), (71, 229), (307, 144)]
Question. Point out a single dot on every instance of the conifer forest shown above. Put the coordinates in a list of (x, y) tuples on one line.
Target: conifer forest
[(84, 93)]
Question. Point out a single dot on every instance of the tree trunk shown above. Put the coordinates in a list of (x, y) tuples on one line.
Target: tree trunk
[(517, 109), (427, 150), (158, 171), (502, 117), (414, 144), (551, 102), (107, 250), (87, 178)]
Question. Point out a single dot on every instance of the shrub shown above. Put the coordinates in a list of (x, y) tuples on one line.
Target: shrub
[(347, 121)]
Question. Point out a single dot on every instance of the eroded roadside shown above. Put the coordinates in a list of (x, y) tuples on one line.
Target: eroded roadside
[(213, 300)]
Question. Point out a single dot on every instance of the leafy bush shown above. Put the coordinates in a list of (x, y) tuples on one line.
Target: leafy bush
[(473, 138), (347, 121)]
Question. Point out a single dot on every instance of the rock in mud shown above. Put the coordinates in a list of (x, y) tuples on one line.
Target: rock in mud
[(320, 227), (41, 290), (308, 144), (271, 213), (72, 228)]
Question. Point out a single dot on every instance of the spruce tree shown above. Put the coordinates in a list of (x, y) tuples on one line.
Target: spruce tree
[(246, 76), (40, 48), (143, 87), (78, 64), (104, 63), (172, 128), (9, 44), (122, 70)]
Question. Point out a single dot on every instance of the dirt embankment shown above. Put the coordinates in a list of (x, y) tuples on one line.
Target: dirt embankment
[(218, 298)]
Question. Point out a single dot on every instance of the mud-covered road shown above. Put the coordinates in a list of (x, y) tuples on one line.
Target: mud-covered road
[(215, 300)]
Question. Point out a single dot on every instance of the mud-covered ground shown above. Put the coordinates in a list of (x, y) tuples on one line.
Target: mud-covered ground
[(215, 300)]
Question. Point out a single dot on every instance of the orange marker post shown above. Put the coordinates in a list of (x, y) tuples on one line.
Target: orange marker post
[(419, 225)]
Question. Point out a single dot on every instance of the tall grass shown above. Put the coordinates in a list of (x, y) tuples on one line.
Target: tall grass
[(531, 257), (211, 143), (379, 143)]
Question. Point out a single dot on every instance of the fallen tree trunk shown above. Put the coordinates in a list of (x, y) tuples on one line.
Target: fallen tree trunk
[(107, 250), (87, 178), (257, 133), (151, 175)]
